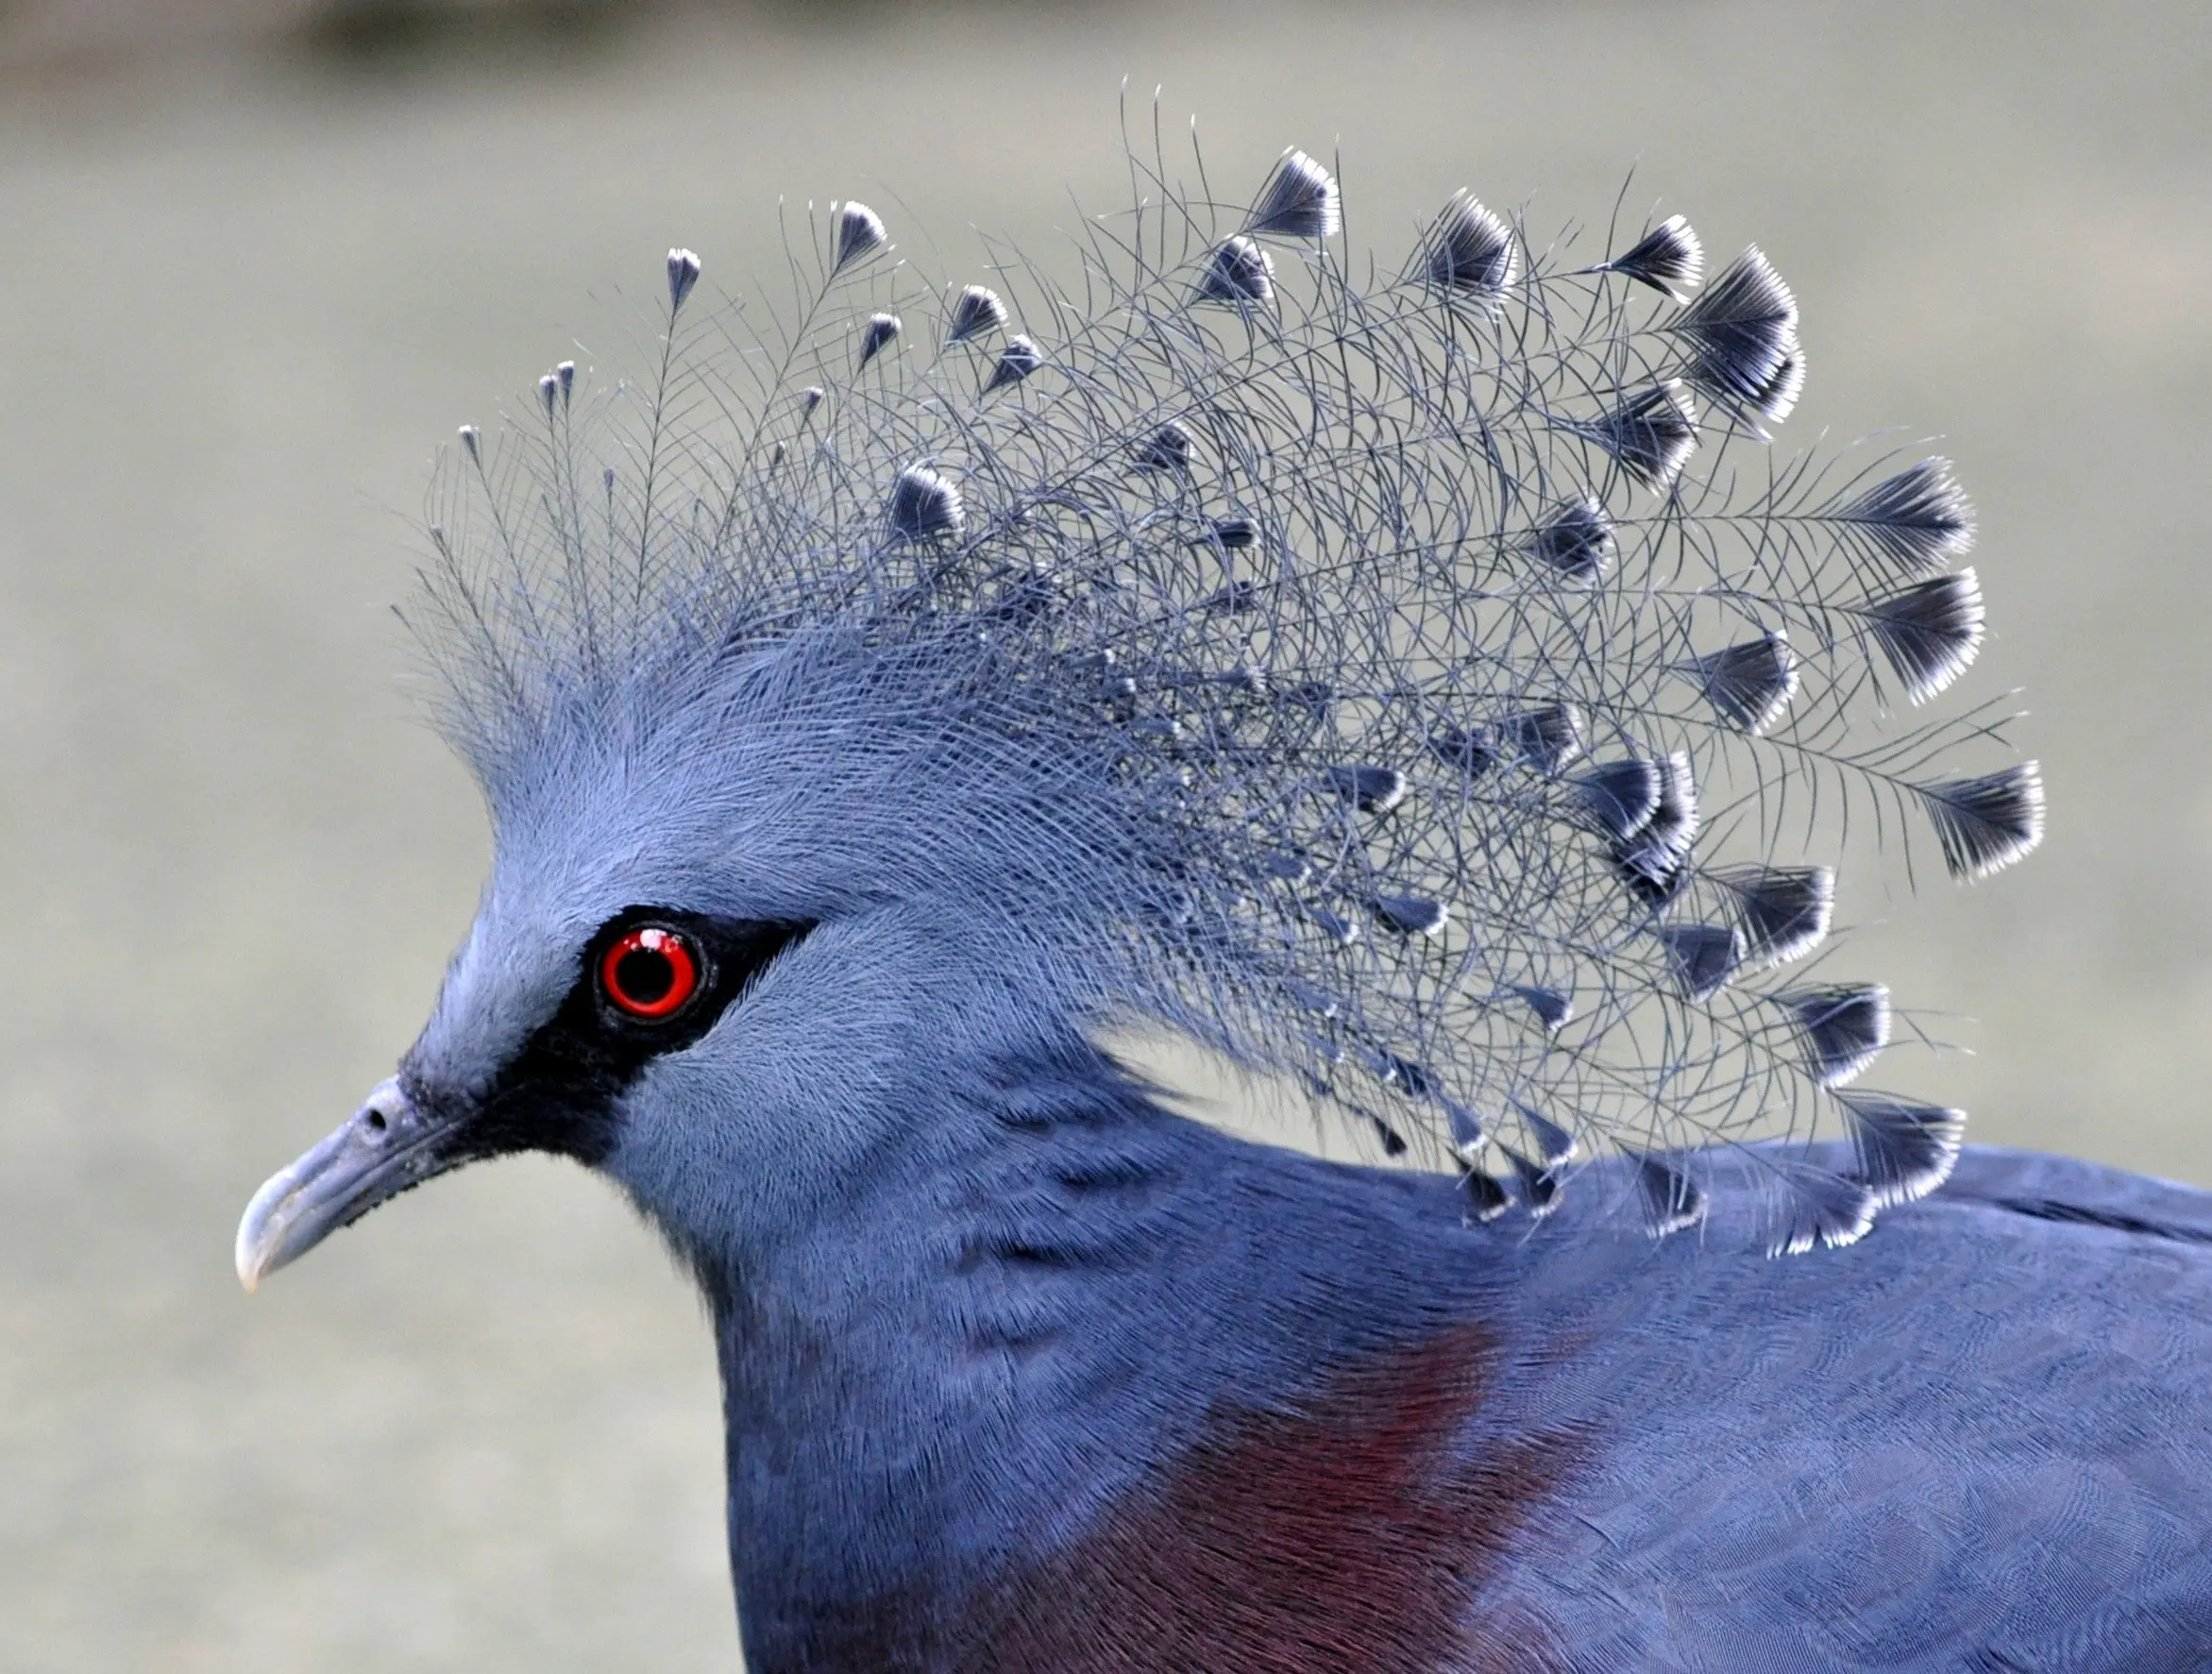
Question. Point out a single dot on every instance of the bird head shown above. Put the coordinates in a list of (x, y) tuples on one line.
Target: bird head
[(754, 911)]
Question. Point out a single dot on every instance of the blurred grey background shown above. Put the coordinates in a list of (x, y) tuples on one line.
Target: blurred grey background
[(258, 257)]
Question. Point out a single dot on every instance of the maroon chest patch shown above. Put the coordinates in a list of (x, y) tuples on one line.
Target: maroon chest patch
[(1351, 1536)]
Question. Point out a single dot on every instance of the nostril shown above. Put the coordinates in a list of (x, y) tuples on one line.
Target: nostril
[(376, 1119)]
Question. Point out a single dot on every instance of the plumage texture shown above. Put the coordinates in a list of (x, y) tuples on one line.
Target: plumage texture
[(1425, 692), (1227, 586)]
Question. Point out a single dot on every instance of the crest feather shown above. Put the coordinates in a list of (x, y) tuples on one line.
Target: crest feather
[(1428, 700)]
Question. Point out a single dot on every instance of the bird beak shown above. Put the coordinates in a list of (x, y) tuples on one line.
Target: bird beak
[(387, 1146)]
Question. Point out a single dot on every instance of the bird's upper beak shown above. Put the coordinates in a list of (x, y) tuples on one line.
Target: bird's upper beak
[(386, 1146)]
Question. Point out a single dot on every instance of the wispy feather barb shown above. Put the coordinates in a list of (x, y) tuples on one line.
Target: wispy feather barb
[(1168, 448), (1817, 1207), (1673, 1201), (1986, 824), (1298, 201), (682, 273), (1652, 434), (976, 313), (1930, 632), (1553, 1010), (1669, 259), (1240, 272), (860, 234), (923, 505), (1845, 1028), (1751, 684), (877, 333), (1742, 332), (1784, 911), (1390, 692), (1576, 540), (1704, 957), (1471, 252), (1905, 1149), (1017, 360), (1919, 520)]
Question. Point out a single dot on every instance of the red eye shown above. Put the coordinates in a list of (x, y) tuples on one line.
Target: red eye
[(650, 973)]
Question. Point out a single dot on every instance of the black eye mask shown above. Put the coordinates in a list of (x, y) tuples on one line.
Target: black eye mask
[(651, 980)]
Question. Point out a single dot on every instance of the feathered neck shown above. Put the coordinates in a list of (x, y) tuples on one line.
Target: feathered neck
[(1026, 1321)]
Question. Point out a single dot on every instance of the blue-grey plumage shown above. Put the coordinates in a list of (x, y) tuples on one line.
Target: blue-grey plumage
[(1398, 690)]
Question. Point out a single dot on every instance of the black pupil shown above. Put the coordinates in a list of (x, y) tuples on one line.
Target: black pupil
[(644, 975)]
